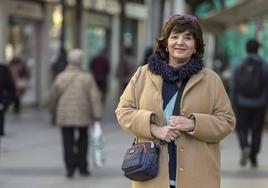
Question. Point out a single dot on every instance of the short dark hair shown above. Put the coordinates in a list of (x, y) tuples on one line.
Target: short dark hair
[(252, 46), (178, 25)]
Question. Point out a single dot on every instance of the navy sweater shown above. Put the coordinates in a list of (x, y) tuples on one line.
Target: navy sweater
[(169, 94)]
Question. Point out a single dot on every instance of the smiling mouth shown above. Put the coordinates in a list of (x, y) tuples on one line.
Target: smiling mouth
[(180, 49)]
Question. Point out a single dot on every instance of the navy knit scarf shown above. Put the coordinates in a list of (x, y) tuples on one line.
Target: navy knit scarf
[(159, 66)]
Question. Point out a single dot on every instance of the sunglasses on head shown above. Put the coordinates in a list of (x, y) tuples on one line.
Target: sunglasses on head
[(181, 17)]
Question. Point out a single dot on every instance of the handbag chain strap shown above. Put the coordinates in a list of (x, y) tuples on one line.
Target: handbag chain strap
[(68, 84)]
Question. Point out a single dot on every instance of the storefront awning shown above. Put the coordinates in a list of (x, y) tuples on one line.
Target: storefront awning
[(242, 12)]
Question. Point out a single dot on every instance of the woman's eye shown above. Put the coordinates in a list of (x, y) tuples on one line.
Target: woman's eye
[(188, 37)]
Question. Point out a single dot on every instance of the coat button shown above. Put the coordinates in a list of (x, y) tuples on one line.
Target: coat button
[(181, 169), (181, 149)]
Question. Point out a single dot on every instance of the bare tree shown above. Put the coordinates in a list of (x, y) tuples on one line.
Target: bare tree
[(78, 21), (62, 33), (120, 68), (122, 22), (161, 15), (61, 61)]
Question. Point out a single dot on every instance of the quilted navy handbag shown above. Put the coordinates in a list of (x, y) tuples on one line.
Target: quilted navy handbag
[(141, 161)]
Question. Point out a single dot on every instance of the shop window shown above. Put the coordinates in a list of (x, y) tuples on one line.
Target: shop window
[(130, 35), (95, 41)]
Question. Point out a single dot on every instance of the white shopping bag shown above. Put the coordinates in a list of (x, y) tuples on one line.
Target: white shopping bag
[(97, 144)]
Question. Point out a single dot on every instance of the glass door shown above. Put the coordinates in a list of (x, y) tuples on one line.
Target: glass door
[(22, 45)]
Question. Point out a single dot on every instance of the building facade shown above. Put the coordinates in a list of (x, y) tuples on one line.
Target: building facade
[(31, 29)]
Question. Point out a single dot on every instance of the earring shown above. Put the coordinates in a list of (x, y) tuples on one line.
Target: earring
[(166, 49)]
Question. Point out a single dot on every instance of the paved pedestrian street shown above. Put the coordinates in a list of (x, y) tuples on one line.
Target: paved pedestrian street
[(31, 157)]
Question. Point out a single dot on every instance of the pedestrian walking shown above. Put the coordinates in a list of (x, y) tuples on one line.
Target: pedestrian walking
[(149, 51), (77, 107), (191, 156), (126, 69), (60, 63), (100, 68), (21, 75), (249, 95), (7, 94)]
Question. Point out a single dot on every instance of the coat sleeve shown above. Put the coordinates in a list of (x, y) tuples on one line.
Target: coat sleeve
[(212, 128), (132, 119)]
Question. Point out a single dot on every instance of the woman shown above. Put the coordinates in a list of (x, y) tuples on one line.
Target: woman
[(79, 105), (192, 156)]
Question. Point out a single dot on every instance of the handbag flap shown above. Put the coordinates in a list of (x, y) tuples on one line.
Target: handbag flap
[(133, 157)]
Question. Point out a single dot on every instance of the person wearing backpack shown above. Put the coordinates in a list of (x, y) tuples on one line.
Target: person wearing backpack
[(249, 95)]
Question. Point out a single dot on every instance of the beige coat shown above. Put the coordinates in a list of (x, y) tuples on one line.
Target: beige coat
[(198, 155), (80, 102)]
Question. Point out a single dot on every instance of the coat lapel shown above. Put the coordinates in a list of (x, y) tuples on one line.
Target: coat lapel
[(158, 81), (193, 80)]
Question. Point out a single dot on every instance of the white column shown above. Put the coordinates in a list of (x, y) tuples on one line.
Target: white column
[(149, 24), (45, 65), (209, 40), (153, 19), (83, 37), (3, 30), (179, 6), (115, 35), (141, 41)]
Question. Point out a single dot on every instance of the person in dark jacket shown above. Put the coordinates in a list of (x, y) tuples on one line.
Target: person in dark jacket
[(250, 109), (60, 64), (100, 68), (7, 94), (149, 51), (21, 76)]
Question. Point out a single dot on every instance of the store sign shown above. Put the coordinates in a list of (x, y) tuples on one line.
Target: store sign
[(70, 2), (108, 6), (112, 7), (98, 20), (25, 9), (136, 11)]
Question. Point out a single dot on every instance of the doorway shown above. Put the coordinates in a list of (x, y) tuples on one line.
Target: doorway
[(22, 43)]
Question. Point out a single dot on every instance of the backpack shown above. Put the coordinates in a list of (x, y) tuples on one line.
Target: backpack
[(249, 78)]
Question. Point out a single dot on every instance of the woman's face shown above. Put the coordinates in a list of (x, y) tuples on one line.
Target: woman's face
[(181, 47)]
